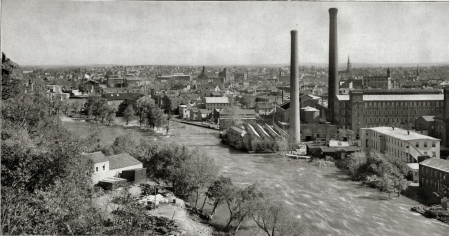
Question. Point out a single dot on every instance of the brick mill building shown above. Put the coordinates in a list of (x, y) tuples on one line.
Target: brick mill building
[(398, 108), (434, 175)]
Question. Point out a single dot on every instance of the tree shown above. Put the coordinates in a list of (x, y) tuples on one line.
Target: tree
[(168, 125), (194, 174), (248, 101), (144, 106), (355, 163), (11, 78), (234, 112), (240, 206), (218, 192), (129, 114), (283, 145), (166, 104), (155, 117), (274, 217), (110, 117), (97, 107)]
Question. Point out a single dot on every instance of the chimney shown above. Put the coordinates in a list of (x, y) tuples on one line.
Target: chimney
[(333, 62), (294, 89), (282, 99)]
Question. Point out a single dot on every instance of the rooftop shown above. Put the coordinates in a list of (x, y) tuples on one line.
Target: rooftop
[(428, 118), (397, 97), (413, 166), (217, 99), (122, 96), (264, 105), (122, 160), (399, 133), (436, 163)]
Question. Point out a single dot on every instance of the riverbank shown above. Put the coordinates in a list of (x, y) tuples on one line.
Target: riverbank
[(202, 124), (325, 199), (435, 212)]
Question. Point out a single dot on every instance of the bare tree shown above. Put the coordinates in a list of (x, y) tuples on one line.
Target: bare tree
[(275, 218)]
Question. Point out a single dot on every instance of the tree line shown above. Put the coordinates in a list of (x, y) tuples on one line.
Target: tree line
[(194, 176)]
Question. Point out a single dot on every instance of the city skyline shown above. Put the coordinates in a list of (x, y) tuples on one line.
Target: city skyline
[(219, 33)]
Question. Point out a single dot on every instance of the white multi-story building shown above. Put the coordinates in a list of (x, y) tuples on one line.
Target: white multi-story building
[(399, 142)]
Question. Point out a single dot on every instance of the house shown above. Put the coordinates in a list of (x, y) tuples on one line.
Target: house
[(183, 111), (195, 114), (92, 86), (434, 175), (216, 102), (264, 108), (105, 167), (423, 123), (204, 114)]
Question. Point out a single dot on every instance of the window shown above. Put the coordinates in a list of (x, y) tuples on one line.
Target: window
[(96, 169)]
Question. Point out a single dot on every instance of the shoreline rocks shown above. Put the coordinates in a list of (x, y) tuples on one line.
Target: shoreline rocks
[(434, 212)]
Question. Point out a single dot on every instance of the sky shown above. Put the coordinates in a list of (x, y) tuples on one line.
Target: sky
[(220, 33)]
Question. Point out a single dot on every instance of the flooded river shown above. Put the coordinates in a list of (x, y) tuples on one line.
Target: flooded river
[(327, 202)]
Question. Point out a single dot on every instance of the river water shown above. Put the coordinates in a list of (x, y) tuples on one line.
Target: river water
[(324, 198)]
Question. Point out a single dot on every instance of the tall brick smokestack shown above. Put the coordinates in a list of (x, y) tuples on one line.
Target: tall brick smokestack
[(333, 63), (294, 89)]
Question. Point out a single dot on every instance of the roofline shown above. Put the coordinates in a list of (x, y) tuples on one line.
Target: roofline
[(434, 166)]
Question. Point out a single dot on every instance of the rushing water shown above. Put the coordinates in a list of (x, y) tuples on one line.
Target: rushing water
[(327, 202)]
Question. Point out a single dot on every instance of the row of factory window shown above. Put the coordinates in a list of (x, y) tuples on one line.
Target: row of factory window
[(387, 120), (426, 171), (398, 142), (398, 112), (429, 183), (381, 120), (400, 104)]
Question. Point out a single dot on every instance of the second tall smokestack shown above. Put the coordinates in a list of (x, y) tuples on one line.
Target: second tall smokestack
[(294, 90), (333, 63)]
